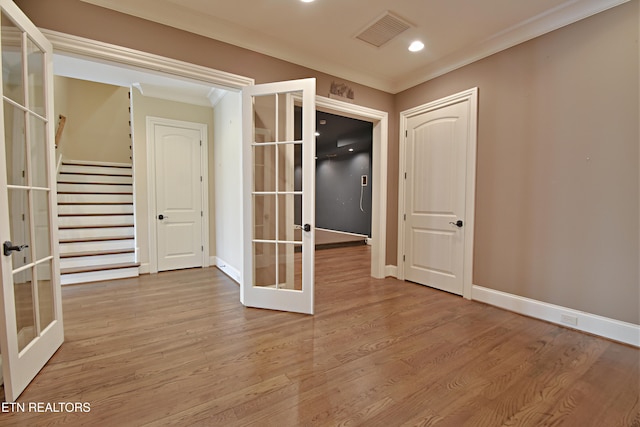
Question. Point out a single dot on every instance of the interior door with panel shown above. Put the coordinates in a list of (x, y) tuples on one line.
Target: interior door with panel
[(179, 181), (278, 253), (435, 188), (31, 327)]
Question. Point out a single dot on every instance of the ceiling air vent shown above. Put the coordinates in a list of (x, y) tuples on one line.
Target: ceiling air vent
[(383, 29)]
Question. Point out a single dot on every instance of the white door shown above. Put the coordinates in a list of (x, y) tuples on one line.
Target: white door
[(436, 153), (31, 327), (278, 253), (179, 181)]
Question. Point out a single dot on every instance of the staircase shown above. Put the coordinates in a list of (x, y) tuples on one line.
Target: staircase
[(95, 221)]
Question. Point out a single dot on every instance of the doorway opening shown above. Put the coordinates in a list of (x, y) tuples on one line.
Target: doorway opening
[(343, 174), (376, 181), (231, 261)]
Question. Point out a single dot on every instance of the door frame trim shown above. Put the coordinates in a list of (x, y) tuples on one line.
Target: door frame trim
[(380, 143), (151, 186), (470, 95), (74, 45)]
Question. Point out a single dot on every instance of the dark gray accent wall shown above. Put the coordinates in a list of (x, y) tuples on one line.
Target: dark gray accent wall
[(338, 192)]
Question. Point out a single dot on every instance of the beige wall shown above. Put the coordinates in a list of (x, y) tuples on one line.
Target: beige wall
[(142, 107), (557, 171), (97, 126), (226, 171), (557, 185)]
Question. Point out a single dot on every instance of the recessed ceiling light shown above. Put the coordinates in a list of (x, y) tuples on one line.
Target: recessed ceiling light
[(350, 149), (317, 133), (416, 46), (306, 1)]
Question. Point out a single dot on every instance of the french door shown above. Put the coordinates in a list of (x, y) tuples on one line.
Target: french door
[(279, 196), (31, 320)]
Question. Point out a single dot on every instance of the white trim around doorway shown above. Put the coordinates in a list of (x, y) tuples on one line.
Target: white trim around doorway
[(73, 45), (380, 143)]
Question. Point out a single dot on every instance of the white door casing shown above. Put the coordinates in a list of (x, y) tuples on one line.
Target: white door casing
[(278, 259), (31, 328), (438, 156), (178, 194), (380, 121)]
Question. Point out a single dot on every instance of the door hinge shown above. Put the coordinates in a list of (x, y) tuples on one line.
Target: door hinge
[(201, 213), (200, 179), (404, 258), (405, 175), (202, 248), (200, 143), (405, 217), (406, 133)]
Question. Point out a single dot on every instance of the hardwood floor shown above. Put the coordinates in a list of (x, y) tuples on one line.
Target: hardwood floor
[(177, 348)]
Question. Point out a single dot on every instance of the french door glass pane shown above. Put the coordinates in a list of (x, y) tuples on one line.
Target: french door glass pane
[(290, 266), (264, 263), (288, 221), (41, 224), (264, 206), (25, 319), (35, 73), (15, 144), (12, 84), (19, 221), (38, 148), (45, 294), (288, 159), (264, 168)]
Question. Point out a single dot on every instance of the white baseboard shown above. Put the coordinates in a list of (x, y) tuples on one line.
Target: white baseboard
[(615, 330), (144, 268), (391, 270), (227, 269)]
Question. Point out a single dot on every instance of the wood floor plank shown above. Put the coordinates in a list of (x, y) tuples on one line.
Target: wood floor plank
[(178, 348)]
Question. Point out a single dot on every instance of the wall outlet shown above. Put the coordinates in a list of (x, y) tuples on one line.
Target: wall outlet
[(569, 319)]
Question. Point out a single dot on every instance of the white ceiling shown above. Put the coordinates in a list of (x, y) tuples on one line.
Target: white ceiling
[(320, 35)]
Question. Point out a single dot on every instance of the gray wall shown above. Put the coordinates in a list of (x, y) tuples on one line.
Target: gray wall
[(338, 194)]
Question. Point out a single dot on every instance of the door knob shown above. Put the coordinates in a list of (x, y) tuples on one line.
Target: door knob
[(305, 227), (458, 223), (161, 217), (8, 247)]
